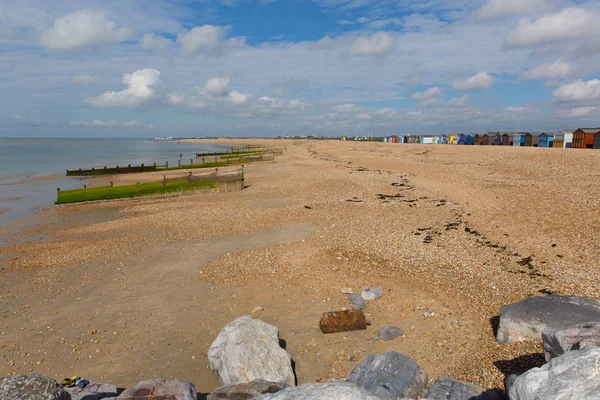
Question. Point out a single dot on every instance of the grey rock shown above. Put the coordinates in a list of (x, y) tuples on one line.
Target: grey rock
[(163, 389), (371, 293), (389, 332), (527, 319), (453, 389), (573, 375), (245, 391), (357, 301), (580, 336), (390, 376), (31, 387), (93, 391), (509, 380), (248, 349), (328, 391)]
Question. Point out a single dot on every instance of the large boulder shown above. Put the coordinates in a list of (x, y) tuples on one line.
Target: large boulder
[(163, 389), (390, 376), (244, 391), (31, 387), (453, 389), (527, 319), (93, 391), (248, 349), (574, 375), (580, 336), (328, 391)]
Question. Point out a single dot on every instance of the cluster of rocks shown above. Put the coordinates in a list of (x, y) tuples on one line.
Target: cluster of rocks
[(251, 364), (571, 346)]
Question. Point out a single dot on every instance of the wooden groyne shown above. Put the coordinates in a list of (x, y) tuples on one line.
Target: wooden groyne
[(216, 181)]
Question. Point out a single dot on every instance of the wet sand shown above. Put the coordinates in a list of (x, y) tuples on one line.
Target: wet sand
[(126, 291)]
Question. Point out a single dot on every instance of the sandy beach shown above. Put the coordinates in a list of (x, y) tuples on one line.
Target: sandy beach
[(131, 290)]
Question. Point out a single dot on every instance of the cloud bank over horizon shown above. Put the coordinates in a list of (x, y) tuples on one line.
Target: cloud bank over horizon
[(175, 68)]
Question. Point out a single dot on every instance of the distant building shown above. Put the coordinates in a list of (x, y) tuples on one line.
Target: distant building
[(583, 138), (546, 140), (531, 139), (563, 138)]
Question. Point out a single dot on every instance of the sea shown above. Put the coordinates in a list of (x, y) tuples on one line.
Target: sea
[(32, 169)]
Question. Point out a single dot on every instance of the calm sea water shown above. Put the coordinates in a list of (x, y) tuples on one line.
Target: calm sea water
[(31, 170)]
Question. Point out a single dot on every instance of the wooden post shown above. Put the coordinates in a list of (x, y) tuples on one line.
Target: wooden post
[(111, 183), (167, 164), (85, 186), (202, 160), (191, 161), (215, 159), (57, 190), (154, 165), (178, 163)]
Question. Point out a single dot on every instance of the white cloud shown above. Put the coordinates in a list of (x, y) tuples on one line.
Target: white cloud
[(578, 91), (512, 109), (363, 116), (582, 111), (111, 124), (482, 80), (84, 79), (217, 86), (203, 39), (363, 20), (267, 99), (82, 29), (459, 102), (377, 44), (346, 108), (558, 69), (502, 8), (427, 94), (138, 91), (152, 42), (568, 24), (345, 22), (238, 98)]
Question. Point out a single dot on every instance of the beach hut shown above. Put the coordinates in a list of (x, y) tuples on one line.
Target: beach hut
[(508, 138), (545, 139), (531, 139), (478, 139), (583, 138), (429, 140), (489, 138), (517, 139), (462, 139), (563, 138), (452, 139), (470, 140)]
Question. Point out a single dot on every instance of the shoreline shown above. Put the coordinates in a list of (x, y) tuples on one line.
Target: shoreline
[(167, 274)]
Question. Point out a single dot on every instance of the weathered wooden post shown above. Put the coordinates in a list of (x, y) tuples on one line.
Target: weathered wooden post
[(154, 165), (215, 159), (85, 186), (202, 160), (167, 164), (164, 181), (191, 161), (111, 183), (178, 163)]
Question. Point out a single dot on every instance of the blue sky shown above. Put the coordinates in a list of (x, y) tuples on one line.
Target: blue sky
[(133, 68)]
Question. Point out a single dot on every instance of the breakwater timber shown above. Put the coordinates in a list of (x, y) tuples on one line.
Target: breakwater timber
[(189, 183), (206, 160)]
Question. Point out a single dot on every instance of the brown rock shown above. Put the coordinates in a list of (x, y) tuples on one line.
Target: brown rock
[(343, 321)]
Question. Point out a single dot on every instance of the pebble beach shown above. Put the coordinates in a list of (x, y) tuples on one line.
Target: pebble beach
[(130, 290)]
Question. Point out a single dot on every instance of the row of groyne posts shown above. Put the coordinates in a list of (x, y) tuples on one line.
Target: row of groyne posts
[(226, 181), (246, 155)]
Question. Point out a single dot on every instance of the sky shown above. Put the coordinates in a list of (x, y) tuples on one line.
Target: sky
[(185, 68)]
